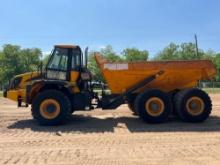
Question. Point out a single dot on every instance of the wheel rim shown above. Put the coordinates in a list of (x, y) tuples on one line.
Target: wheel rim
[(154, 106), (195, 106), (49, 108)]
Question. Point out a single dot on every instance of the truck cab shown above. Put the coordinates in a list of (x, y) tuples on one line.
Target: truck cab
[(65, 63), (65, 67)]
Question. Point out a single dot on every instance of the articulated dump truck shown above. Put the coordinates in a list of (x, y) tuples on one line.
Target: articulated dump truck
[(153, 90)]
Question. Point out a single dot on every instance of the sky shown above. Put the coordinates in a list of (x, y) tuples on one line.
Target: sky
[(145, 24)]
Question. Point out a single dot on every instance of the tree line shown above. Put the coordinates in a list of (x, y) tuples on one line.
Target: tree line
[(16, 60)]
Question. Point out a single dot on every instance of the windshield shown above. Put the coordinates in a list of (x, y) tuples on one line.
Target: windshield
[(59, 59)]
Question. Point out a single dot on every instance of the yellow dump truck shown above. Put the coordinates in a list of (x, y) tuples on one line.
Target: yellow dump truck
[(153, 90)]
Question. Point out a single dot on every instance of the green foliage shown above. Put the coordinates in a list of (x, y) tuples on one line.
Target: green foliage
[(46, 59), (30, 59), (169, 53), (212, 90), (93, 67), (14, 60), (133, 54), (109, 54), (216, 62), (184, 51), (187, 51)]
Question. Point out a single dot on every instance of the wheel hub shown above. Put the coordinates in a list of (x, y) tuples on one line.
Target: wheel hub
[(49, 109), (195, 106), (154, 106)]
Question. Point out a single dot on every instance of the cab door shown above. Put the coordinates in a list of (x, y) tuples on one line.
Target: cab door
[(57, 67), (76, 65)]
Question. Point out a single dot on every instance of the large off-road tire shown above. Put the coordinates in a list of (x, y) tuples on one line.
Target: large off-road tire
[(51, 107), (153, 106), (131, 107), (192, 105), (130, 102), (173, 95)]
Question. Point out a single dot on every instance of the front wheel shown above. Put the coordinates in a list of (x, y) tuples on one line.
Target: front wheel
[(131, 107), (153, 106), (51, 107)]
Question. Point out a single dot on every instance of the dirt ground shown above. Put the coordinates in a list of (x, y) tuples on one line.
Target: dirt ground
[(107, 137)]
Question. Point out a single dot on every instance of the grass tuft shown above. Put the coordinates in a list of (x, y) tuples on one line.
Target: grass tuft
[(212, 90)]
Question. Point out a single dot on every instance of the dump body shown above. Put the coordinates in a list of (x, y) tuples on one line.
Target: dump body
[(177, 74)]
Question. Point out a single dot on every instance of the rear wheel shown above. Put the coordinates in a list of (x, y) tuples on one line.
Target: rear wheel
[(153, 106), (193, 105), (51, 107)]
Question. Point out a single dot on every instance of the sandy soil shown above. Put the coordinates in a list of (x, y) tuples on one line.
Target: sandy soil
[(107, 137)]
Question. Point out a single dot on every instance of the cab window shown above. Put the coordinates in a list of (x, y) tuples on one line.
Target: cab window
[(59, 59), (76, 59)]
